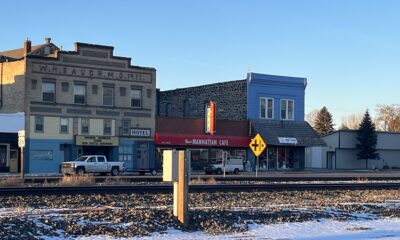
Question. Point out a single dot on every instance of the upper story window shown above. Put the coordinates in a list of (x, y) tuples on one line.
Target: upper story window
[(107, 126), (85, 126), (126, 126), (267, 108), (108, 96), (39, 123), (80, 94), (136, 98), (63, 125), (49, 91), (287, 109)]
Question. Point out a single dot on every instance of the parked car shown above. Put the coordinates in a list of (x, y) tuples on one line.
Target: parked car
[(233, 165), (92, 164)]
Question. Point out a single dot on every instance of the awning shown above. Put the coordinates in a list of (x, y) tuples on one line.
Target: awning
[(287, 133)]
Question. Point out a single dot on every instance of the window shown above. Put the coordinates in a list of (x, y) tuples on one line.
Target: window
[(48, 91), (63, 125), (80, 94), (38, 124), (125, 153), (107, 127), (85, 126), (136, 98), (101, 159), (122, 91), (287, 109), (34, 83), (94, 89), (65, 86), (126, 125), (149, 93), (108, 96), (267, 108), (41, 155)]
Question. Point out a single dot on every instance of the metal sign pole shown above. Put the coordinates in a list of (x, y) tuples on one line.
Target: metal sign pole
[(22, 163), (224, 157), (257, 167)]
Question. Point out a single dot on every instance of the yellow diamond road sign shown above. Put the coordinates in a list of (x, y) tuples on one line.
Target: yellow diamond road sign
[(257, 145)]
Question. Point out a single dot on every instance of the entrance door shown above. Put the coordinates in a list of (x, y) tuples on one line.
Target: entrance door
[(4, 158), (14, 160), (143, 156), (331, 160)]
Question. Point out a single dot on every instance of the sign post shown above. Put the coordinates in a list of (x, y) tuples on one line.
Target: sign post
[(21, 144), (257, 145)]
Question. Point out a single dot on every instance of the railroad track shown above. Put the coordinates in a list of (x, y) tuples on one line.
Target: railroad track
[(228, 178), (24, 191)]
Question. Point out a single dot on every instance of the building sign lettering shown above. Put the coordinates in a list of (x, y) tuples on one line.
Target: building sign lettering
[(140, 132), (97, 141), (287, 140), (90, 72)]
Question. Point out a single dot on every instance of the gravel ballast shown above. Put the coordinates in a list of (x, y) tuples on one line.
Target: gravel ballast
[(129, 215)]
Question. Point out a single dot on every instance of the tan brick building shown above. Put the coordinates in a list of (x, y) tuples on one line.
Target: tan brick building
[(85, 101)]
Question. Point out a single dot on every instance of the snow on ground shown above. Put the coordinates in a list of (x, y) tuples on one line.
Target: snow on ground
[(324, 230)]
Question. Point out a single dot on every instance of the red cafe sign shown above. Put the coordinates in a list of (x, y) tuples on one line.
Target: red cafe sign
[(201, 140)]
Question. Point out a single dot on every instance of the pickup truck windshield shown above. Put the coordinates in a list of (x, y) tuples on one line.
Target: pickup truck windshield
[(80, 159)]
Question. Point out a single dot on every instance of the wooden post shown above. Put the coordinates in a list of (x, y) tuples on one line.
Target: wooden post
[(183, 170), (257, 162)]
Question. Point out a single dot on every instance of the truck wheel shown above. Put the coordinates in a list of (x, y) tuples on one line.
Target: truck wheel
[(236, 171), (114, 171), (153, 172), (219, 171), (80, 171)]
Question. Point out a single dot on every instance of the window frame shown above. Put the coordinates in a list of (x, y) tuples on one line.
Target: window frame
[(128, 128), (140, 99), (104, 127), (84, 96), (88, 126), (54, 91), (61, 126), (266, 99), (112, 96), (286, 109), (36, 124)]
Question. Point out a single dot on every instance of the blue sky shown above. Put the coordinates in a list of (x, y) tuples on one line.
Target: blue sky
[(348, 50)]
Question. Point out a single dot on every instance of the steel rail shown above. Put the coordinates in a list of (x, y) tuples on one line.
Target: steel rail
[(118, 189)]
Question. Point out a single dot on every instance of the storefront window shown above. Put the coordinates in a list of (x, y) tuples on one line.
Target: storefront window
[(199, 158), (125, 153)]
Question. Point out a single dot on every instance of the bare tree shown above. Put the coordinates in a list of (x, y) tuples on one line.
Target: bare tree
[(352, 121), (311, 116), (388, 117)]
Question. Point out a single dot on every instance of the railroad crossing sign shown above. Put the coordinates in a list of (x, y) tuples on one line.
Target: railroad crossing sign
[(257, 145)]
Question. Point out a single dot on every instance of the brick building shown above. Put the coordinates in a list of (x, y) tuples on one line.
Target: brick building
[(85, 101), (273, 105)]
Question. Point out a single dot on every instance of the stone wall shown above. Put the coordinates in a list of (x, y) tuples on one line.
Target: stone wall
[(230, 98)]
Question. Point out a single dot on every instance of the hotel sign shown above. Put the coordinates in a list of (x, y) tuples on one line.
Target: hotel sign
[(140, 132), (97, 141), (57, 69)]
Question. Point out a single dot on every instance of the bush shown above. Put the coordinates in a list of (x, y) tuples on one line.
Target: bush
[(76, 180), (12, 182)]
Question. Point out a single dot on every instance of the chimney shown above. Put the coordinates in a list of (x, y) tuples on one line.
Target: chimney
[(47, 40), (27, 46)]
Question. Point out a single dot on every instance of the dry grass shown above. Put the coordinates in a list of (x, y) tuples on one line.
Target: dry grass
[(202, 181), (76, 180), (12, 182)]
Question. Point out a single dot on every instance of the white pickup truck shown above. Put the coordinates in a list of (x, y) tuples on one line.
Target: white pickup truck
[(92, 164), (233, 165)]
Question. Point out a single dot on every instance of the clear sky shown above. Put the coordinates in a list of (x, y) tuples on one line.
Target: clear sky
[(348, 50)]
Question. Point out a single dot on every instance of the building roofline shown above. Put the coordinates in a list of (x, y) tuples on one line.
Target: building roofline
[(205, 85)]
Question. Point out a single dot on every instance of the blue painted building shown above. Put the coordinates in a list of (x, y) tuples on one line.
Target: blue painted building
[(273, 105)]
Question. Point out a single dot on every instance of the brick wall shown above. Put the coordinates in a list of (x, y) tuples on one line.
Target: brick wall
[(230, 98)]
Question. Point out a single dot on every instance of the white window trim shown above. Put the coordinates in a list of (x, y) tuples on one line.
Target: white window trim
[(287, 109), (61, 132), (85, 95), (266, 108)]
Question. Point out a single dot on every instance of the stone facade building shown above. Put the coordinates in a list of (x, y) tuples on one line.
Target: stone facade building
[(85, 101), (230, 98)]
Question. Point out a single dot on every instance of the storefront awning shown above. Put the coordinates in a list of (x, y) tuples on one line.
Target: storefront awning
[(287, 133), (200, 140)]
